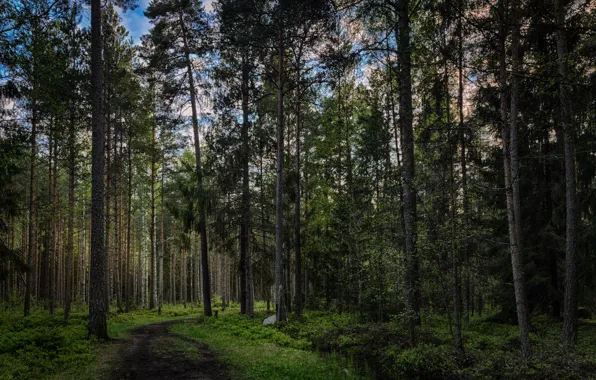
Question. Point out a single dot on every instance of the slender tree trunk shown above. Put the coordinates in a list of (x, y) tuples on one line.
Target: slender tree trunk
[(128, 226), (279, 195), (567, 120), (199, 170), (183, 267), (51, 249), (464, 173), (196, 276), (119, 277), (98, 305), (247, 293), (510, 160), (32, 227), (153, 277), (162, 244), (455, 264), (407, 147), (298, 247), (71, 206)]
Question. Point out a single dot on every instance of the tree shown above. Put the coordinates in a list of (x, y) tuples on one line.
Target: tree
[(510, 149), (407, 148), (567, 121), (98, 297), (180, 29)]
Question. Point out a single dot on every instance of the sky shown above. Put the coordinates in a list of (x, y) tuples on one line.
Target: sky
[(136, 22)]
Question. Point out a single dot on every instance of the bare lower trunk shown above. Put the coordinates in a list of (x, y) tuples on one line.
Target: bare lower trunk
[(153, 277), (127, 277), (71, 205), (199, 170), (32, 227), (571, 257), (511, 177), (279, 253), (298, 248), (464, 175), (407, 147), (98, 305)]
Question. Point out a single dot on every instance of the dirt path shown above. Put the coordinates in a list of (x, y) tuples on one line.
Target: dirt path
[(155, 353)]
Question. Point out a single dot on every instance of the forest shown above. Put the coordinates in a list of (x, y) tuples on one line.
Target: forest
[(297, 189)]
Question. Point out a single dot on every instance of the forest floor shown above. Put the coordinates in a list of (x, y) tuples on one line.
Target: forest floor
[(181, 343), (154, 353)]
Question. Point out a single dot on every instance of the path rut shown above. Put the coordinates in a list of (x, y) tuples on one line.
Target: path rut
[(155, 353)]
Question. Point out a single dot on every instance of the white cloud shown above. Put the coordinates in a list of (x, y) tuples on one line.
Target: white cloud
[(208, 5), (136, 23)]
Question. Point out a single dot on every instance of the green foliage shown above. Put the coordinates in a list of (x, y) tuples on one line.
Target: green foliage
[(41, 345), (492, 349), (32, 347), (254, 351)]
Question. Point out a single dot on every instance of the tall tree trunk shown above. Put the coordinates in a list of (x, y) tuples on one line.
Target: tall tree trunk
[(119, 277), (108, 192), (510, 161), (51, 248), (71, 206), (183, 267), (98, 300), (455, 263), (199, 170), (547, 245), (153, 277), (412, 288), (279, 195), (32, 227), (247, 304), (196, 275), (567, 120), (128, 225), (162, 244), (464, 172), (298, 248)]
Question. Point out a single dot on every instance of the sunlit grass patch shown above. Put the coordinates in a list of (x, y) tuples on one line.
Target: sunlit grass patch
[(253, 351)]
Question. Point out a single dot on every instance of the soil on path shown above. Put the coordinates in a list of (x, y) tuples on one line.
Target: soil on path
[(155, 353)]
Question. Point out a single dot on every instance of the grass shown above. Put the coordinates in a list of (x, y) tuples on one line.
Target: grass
[(42, 346), (318, 345), (254, 351)]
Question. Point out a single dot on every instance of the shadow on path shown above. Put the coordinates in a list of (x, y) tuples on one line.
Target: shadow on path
[(155, 353)]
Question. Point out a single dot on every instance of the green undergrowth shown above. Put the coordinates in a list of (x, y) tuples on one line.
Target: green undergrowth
[(253, 351), (491, 348), (42, 346), (318, 345)]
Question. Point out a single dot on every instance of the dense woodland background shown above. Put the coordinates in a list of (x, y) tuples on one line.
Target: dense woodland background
[(390, 159)]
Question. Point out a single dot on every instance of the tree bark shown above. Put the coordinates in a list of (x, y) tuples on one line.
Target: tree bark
[(153, 277), (464, 174), (279, 195), (509, 131), (71, 205), (128, 226), (297, 247), (162, 244), (98, 300), (247, 303), (407, 147), (32, 227), (199, 170), (571, 256)]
